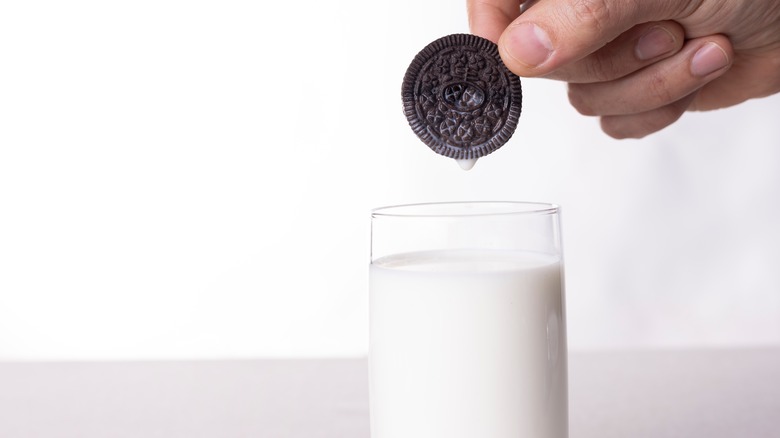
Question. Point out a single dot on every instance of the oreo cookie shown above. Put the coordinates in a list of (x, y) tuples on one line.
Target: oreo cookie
[(459, 97)]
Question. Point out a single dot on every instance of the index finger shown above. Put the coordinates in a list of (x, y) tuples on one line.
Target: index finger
[(489, 18), (555, 33)]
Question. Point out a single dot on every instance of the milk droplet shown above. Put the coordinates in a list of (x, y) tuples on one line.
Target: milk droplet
[(467, 164)]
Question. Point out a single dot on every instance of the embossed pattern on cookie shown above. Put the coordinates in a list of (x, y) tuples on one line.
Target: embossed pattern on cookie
[(459, 97)]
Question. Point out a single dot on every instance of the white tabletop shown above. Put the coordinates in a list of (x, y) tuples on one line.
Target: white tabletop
[(658, 394)]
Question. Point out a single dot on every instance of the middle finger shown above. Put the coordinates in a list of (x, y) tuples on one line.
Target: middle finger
[(635, 49)]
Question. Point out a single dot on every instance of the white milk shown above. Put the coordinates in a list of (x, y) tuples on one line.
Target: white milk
[(467, 344), (466, 163)]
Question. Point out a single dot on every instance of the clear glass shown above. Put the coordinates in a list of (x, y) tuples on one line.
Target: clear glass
[(467, 333)]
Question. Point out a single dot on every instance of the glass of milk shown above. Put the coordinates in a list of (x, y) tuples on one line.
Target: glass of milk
[(467, 321)]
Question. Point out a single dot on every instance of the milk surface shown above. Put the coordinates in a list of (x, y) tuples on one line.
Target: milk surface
[(467, 344)]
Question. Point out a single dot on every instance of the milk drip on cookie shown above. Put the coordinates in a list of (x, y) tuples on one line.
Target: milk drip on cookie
[(466, 164), (460, 99)]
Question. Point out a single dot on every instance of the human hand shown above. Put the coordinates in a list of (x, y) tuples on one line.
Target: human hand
[(639, 65)]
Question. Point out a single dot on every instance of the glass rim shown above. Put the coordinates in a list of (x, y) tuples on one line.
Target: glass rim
[(458, 209)]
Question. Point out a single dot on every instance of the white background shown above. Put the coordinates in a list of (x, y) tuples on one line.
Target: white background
[(193, 179)]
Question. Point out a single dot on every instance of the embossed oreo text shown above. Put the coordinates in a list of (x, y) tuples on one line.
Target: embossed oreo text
[(461, 94)]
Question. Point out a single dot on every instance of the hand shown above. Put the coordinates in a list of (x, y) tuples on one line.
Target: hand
[(640, 65)]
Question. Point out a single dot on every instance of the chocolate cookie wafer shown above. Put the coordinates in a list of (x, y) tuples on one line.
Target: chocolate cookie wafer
[(459, 97)]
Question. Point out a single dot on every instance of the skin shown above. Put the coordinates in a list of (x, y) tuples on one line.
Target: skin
[(696, 55)]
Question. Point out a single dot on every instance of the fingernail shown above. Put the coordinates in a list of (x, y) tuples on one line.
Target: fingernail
[(529, 44), (654, 43), (708, 59)]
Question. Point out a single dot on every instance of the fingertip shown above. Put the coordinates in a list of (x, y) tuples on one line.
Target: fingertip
[(659, 40), (489, 19), (577, 101), (711, 58), (525, 48), (619, 131), (485, 28), (488, 34), (641, 125)]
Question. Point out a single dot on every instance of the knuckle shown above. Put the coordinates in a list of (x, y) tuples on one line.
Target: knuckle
[(613, 127), (578, 100), (658, 87), (594, 14), (602, 68)]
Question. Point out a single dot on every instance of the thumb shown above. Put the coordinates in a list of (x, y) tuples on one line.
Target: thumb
[(554, 33)]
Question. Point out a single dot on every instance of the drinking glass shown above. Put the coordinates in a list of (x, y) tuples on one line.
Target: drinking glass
[(467, 331)]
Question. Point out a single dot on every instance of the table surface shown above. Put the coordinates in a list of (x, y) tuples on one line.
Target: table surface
[(642, 394)]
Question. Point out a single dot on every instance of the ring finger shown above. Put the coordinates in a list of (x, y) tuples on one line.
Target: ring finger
[(700, 61)]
